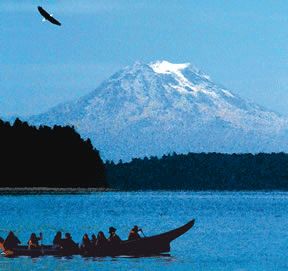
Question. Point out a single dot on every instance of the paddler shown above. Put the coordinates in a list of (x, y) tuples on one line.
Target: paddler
[(34, 241), (68, 244), (86, 243), (102, 241), (113, 239), (93, 240), (57, 241), (11, 241), (133, 234)]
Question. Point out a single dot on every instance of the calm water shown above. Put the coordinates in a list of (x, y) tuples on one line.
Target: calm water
[(233, 231)]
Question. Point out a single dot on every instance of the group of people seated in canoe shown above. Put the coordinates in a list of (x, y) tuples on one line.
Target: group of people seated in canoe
[(67, 243)]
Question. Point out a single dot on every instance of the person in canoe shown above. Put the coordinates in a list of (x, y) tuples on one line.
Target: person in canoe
[(113, 239), (102, 241), (11, 241), (93, 240), (133, 234), (2, 243), (57, 241), (86, 243), (34, 241), (68, 243)]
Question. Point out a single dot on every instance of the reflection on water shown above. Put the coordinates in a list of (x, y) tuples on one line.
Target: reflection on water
[(233, 231)]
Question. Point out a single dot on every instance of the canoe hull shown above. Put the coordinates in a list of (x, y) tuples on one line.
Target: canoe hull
[(153, 245)]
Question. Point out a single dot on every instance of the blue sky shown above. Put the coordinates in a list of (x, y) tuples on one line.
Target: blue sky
[(241, 44)]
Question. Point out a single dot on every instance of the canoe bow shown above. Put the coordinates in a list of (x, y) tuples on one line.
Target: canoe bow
[(173, 234)]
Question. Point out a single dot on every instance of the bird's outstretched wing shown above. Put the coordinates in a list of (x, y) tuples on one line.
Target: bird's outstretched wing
[(47, 16)]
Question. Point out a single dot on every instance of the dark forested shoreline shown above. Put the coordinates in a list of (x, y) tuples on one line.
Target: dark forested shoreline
[(202, 171), (47, 157), (57, 157)]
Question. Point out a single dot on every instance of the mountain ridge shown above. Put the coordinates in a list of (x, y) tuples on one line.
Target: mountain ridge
[(161, 107)]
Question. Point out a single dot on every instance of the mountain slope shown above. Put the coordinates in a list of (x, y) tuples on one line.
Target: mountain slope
[(162, 107)]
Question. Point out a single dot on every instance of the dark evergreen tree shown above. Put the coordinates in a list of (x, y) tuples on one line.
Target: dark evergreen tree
[(47, 157), (202, 171)]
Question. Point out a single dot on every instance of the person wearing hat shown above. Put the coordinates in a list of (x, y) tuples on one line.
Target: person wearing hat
[(68, 243), (133, 234), (113, 238)]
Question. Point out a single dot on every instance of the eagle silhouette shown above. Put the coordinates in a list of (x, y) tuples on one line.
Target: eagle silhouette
[(47, 16)]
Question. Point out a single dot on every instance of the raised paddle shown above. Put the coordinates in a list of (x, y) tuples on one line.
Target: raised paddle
[(41, 238), (142, 232)]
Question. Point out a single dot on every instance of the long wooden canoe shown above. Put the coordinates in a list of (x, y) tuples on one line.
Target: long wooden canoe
[(152, 245)]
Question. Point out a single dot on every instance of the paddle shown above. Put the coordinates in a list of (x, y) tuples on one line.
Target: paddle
[(41, 238), (142, 232)]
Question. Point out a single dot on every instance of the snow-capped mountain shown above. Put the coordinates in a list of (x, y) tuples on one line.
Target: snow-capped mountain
[(157, 108)]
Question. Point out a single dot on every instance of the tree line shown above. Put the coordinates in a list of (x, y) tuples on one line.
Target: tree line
[(47, 157), (58, 157), (202, 171)]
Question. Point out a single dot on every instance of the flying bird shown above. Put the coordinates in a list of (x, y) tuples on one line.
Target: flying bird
[(48, 17)]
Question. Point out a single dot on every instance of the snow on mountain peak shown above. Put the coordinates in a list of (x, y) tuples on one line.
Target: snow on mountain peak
[(177, 71), (165, 67)]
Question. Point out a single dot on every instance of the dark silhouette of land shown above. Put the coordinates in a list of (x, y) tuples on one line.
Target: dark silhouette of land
[(57, 157), (202, 171), (47, 157)]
